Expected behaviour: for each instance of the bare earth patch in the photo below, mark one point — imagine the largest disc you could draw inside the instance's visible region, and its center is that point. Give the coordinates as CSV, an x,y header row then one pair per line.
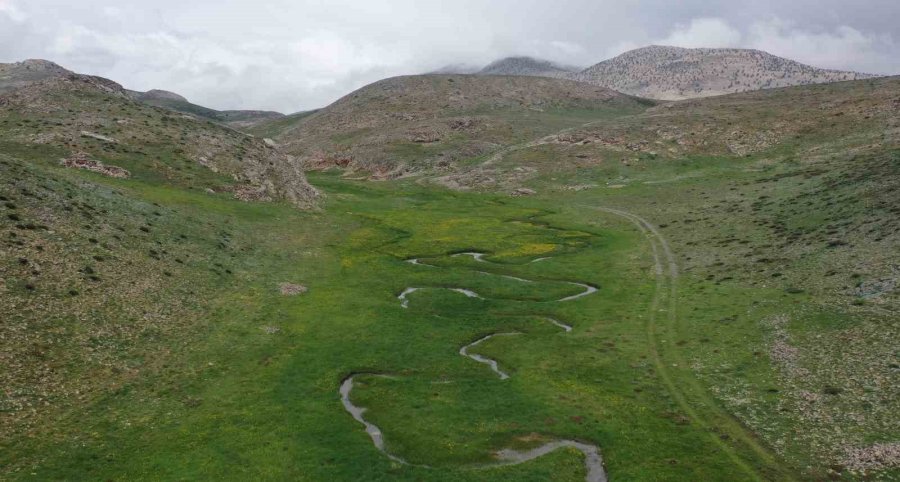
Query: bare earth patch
x,y
876,457
82,160
291,289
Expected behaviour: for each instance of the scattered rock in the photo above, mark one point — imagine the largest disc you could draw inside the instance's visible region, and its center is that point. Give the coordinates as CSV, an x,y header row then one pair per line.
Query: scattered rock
x,y
876,457
98,137
252,193
81,160
291,289
524,191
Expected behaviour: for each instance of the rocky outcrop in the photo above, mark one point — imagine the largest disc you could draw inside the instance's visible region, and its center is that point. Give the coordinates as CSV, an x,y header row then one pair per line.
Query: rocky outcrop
x,y
675,73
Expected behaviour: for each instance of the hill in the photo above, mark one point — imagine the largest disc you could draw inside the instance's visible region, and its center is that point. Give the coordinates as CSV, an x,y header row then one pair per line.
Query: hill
x,y
94,121
19,74
526,66
674,73
406,125
775,194
615,287
238,119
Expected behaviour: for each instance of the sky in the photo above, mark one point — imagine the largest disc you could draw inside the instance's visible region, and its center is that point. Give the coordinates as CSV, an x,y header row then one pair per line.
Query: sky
x,y
293,55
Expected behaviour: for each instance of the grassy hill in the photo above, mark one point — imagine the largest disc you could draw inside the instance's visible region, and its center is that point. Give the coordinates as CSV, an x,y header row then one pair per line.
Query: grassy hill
x,y
402,126
239,119
726,268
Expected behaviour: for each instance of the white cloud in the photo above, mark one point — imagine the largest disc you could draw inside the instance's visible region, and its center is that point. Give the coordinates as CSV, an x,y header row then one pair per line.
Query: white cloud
x,y
9,9
297,54
704,32
567,48
842,47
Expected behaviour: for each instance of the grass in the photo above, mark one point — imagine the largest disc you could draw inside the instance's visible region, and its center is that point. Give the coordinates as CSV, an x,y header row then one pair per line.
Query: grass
x,y
183,360
239,403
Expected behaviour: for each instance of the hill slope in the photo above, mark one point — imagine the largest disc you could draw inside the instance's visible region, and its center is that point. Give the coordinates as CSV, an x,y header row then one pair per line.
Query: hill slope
x,y
234,118
19,74
405,125
784,205
718,276
674,73
92,121
526,66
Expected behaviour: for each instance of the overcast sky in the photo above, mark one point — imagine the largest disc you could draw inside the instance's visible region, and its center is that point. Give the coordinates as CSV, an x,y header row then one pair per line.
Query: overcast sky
x,y
291,55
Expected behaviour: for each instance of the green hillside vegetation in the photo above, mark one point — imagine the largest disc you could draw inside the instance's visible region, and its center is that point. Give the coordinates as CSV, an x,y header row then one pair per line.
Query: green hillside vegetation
x,y
235,118
726,268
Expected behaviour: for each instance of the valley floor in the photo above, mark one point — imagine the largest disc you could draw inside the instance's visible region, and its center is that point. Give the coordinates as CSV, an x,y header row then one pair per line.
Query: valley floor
x,y
671,373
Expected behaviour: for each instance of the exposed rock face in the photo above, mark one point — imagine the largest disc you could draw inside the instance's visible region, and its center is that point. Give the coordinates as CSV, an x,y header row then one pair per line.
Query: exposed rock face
x,y
674,73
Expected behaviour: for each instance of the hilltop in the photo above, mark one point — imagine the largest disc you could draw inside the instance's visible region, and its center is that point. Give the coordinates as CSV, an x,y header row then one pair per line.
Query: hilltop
x,y
20,74
93,120
233,118
406,125
674,73
527,66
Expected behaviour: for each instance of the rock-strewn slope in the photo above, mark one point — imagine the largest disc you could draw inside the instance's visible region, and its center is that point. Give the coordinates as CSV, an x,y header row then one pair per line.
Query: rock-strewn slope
x,y
233,118
674,73
405,125
43,106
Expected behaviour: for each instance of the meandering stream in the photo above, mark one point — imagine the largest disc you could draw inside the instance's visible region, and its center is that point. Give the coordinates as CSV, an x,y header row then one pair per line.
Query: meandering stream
x,y
593,461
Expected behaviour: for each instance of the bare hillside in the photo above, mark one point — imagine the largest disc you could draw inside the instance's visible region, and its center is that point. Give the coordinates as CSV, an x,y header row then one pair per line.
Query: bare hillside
x,y
674,73
403,125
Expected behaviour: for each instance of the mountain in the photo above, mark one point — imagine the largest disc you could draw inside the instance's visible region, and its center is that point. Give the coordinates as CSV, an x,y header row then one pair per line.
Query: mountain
x,y
409,125
234,118
674,73
94,122
526,66
705,288
19,74
456,69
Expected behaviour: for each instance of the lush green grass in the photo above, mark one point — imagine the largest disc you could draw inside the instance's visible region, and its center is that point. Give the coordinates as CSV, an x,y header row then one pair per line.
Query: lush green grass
x,y
207,372
240,403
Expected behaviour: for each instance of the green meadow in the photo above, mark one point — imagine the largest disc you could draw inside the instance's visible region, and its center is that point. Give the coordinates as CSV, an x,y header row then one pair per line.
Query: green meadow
x,y
249,389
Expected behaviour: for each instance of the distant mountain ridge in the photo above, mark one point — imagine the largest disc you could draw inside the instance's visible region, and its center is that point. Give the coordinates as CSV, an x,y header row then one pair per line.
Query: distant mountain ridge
x,y
527,66
676,73
21,74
